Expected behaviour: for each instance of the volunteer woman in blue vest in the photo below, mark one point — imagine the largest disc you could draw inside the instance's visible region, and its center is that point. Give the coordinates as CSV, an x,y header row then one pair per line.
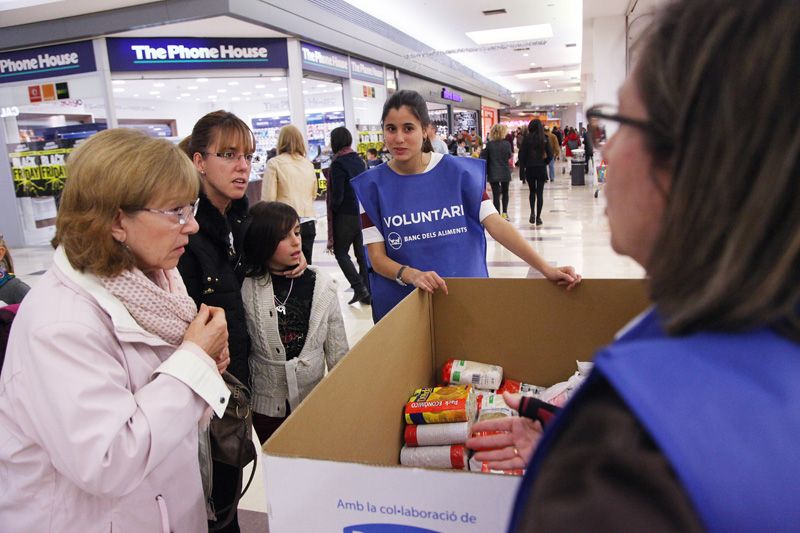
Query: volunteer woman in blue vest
x,y
424,213
689,421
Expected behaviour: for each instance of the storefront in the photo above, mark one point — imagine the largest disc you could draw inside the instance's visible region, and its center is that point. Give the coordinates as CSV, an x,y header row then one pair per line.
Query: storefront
x,y
52,97
451,111
489,115
341,90
164,85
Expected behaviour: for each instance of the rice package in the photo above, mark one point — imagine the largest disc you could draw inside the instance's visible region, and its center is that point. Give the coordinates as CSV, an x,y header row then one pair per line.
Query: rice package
x,y
489,401
437,405
436,434
479,375
452,457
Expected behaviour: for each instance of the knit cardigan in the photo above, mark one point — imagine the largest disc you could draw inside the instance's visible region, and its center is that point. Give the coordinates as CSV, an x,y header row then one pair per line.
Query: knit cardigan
x,y
274,379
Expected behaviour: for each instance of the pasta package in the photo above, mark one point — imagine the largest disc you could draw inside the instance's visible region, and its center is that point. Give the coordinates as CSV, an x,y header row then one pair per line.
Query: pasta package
x,y
437,405
479,375
453,457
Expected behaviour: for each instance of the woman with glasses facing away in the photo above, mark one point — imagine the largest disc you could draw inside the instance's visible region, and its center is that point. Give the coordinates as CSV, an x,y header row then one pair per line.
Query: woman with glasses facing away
x,y
689,420
290,178
221,147
110,368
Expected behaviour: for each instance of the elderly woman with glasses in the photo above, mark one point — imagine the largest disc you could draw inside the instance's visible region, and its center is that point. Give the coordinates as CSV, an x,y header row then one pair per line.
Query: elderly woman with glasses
x,y
110,368
689,421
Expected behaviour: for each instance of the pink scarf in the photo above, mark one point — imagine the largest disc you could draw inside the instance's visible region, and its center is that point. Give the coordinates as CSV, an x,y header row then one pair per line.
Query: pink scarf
x,y
159,302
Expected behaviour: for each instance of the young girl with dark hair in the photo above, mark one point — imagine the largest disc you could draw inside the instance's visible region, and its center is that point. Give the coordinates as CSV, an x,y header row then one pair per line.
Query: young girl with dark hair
x,y
424,213
534,156
295,325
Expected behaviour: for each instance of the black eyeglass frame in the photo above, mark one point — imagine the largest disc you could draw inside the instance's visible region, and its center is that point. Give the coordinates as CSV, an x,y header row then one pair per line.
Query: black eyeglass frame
x,y
594,112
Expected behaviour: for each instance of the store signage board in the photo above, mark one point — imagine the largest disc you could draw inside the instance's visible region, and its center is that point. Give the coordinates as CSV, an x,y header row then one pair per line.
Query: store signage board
x,y
47,62
453,96
366,71
185,53
318,59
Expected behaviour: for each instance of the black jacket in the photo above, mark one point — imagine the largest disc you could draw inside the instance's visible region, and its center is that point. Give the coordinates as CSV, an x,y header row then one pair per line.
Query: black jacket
x,y
535,156
213,274
497,154
343,169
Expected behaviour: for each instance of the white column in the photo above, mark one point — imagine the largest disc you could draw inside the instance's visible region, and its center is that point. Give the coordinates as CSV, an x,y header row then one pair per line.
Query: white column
x,y
606,70
104,70
297,106
347,101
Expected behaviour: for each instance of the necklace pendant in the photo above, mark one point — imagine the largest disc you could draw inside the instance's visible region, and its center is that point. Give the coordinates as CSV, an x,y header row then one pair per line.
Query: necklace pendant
x,y
281,309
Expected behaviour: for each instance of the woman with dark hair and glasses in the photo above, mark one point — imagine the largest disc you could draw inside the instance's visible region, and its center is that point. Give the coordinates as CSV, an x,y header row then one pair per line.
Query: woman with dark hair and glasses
x,y
221,147
689,420
424,213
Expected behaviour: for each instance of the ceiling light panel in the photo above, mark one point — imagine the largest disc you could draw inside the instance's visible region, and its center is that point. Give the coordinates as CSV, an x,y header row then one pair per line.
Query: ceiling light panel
x,y
544,74
516,33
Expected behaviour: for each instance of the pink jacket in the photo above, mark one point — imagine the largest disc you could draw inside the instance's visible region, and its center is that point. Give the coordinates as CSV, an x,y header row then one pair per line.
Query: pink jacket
x,y
99,418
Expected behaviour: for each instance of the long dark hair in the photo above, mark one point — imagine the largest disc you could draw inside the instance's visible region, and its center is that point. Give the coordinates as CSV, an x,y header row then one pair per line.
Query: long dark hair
x,y
416,104
340,138
695,75
536,139
269,223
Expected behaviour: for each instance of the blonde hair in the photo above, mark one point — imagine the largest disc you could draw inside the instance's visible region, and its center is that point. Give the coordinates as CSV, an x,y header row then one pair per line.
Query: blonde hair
x,y
290,141
118,169
7,261
498,132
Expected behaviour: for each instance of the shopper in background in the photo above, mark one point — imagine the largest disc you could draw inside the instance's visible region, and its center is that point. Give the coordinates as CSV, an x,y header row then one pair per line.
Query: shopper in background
x,y
587,146
110,368
497,155
221,147
12,289
296,324
290,178
521,134
556,146
534,156
424,213
372,158
439,145
571,140
461,151
559,135
347,165
688,422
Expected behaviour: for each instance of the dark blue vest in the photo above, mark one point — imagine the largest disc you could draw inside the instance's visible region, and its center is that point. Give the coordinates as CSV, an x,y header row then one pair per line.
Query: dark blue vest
x,y
429,221
723,408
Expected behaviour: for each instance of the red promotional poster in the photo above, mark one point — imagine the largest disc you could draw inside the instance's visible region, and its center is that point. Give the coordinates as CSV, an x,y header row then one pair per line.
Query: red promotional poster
x,y
34,93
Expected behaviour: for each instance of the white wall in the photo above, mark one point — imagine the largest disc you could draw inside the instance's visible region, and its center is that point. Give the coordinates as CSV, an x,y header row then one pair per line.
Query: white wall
x,y
604,63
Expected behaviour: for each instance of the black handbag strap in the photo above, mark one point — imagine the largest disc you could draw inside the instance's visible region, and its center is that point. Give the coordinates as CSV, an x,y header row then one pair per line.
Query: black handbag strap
x,y
230,510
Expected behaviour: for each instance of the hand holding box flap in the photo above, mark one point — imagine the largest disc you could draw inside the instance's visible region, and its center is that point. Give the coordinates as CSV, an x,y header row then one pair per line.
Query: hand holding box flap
x,y
434,405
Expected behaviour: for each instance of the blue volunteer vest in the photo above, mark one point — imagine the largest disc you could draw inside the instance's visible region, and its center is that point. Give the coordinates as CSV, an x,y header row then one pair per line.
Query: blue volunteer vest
x,y
430,221
721,407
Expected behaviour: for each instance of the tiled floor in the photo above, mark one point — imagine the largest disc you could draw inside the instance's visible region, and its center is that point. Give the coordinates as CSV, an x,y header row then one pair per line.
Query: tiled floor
x,y
574,232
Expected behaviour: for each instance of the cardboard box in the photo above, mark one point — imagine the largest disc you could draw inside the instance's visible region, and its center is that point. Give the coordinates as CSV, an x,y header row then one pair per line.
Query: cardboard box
x,y
334,464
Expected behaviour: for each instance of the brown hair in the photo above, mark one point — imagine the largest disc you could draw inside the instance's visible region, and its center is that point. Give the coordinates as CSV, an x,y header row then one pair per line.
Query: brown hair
x,y
416,104
220,127
728,256
498,132
290,141
118,169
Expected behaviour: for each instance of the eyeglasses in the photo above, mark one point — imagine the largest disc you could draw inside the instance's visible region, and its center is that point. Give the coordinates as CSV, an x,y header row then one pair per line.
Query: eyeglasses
x,y
184,213
599,116
232,157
